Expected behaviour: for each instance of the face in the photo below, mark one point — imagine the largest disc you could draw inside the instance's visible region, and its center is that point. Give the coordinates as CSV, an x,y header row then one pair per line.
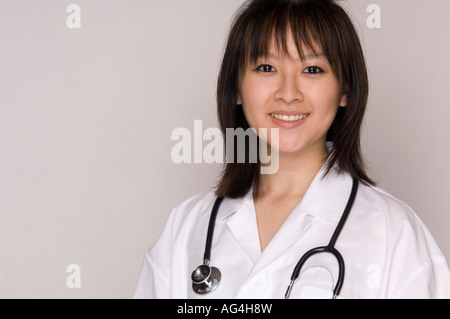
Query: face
x,y
299,97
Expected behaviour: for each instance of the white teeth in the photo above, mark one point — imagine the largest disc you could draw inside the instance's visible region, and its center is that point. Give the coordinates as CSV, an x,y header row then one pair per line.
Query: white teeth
x,y
289,118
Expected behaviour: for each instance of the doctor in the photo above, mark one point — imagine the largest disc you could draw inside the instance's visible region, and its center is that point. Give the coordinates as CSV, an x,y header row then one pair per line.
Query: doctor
x,y
296,66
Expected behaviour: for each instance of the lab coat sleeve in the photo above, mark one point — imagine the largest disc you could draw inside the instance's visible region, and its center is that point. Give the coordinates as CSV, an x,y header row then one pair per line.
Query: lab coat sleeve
x,y
421,268
429,281
154,278
153,282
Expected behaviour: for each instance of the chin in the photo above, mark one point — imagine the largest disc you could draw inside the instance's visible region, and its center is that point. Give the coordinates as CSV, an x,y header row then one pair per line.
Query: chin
x,y
290,149
291,144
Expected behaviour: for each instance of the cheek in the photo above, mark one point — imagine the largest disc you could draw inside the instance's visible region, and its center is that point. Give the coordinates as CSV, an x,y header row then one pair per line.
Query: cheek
x,y
253,99
325,116
254,118
327,99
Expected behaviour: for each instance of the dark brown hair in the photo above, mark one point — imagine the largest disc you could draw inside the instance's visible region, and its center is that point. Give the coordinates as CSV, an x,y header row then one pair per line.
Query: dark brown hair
x,y
315,24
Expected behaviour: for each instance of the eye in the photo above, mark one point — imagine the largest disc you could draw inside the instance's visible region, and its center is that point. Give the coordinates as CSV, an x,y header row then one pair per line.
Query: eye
x,y
266,68
313,70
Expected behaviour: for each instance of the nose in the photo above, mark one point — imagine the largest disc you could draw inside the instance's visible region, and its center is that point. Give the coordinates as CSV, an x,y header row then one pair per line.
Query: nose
x,y
289,90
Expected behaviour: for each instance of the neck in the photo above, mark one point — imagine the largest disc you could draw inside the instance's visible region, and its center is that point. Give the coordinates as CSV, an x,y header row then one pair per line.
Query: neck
x,y
295,174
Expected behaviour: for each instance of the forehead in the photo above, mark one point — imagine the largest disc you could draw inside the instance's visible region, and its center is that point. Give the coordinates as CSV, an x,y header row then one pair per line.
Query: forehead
x,y
293,51
283,41
286,46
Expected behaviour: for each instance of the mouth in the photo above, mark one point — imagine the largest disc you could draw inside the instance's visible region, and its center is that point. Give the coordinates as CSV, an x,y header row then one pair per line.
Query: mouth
x,y
289,118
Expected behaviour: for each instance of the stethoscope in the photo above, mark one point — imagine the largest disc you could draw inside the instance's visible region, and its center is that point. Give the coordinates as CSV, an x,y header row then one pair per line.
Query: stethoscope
x,y
206,278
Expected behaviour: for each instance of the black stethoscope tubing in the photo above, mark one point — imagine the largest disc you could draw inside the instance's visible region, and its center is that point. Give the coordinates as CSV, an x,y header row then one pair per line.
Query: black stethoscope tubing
x,y
329,248
324,249
212,222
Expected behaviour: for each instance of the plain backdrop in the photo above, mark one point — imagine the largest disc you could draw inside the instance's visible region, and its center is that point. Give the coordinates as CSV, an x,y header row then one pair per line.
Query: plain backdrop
x,y
86,116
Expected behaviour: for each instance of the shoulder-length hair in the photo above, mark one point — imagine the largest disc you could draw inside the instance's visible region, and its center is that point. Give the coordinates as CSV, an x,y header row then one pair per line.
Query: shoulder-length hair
x,y
315,24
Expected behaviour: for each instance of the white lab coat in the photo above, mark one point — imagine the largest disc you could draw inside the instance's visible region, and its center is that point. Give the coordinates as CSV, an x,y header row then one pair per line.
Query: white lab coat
x,y
388,251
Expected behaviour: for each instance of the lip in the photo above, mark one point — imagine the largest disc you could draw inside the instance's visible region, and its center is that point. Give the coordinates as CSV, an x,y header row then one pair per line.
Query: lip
x,y
285,124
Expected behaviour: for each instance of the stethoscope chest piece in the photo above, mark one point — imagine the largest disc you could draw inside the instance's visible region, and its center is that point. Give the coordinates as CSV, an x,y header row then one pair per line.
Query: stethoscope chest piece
x,y
205,279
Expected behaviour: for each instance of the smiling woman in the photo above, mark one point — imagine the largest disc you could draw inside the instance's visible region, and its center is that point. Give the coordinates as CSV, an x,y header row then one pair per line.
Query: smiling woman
x,y
295,66
314,40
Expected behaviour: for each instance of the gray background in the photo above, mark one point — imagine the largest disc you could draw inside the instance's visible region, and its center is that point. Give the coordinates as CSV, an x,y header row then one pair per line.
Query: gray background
x,y
86,116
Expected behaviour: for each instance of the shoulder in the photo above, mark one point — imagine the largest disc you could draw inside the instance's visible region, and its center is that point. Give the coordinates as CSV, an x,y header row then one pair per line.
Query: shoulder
x,y
191,213
195,205
378,201
400,224
375,202
184,220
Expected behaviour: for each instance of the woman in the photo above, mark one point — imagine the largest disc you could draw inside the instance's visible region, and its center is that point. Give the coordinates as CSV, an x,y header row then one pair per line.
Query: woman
x,y
295,67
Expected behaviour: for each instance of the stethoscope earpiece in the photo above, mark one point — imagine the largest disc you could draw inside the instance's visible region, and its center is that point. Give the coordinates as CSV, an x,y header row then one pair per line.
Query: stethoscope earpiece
x,y
205,279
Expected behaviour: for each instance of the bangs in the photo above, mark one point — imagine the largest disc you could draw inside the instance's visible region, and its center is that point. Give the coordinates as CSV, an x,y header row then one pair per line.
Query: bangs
x,y
310,23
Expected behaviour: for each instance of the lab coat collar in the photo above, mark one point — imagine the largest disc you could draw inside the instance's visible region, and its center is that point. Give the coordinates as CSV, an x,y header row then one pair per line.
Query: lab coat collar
x,y
326,197
230,206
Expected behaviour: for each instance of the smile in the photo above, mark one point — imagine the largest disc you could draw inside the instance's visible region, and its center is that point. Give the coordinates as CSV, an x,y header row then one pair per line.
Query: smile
x,y
289,118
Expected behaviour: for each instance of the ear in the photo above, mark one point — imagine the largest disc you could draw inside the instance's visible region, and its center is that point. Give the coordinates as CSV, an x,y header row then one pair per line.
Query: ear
x,y
238,101
343,102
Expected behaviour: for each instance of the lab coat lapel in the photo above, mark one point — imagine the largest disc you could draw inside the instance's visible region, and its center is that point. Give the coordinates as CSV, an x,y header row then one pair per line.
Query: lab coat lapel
x,y
240,218
322,205
244,228
296,226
